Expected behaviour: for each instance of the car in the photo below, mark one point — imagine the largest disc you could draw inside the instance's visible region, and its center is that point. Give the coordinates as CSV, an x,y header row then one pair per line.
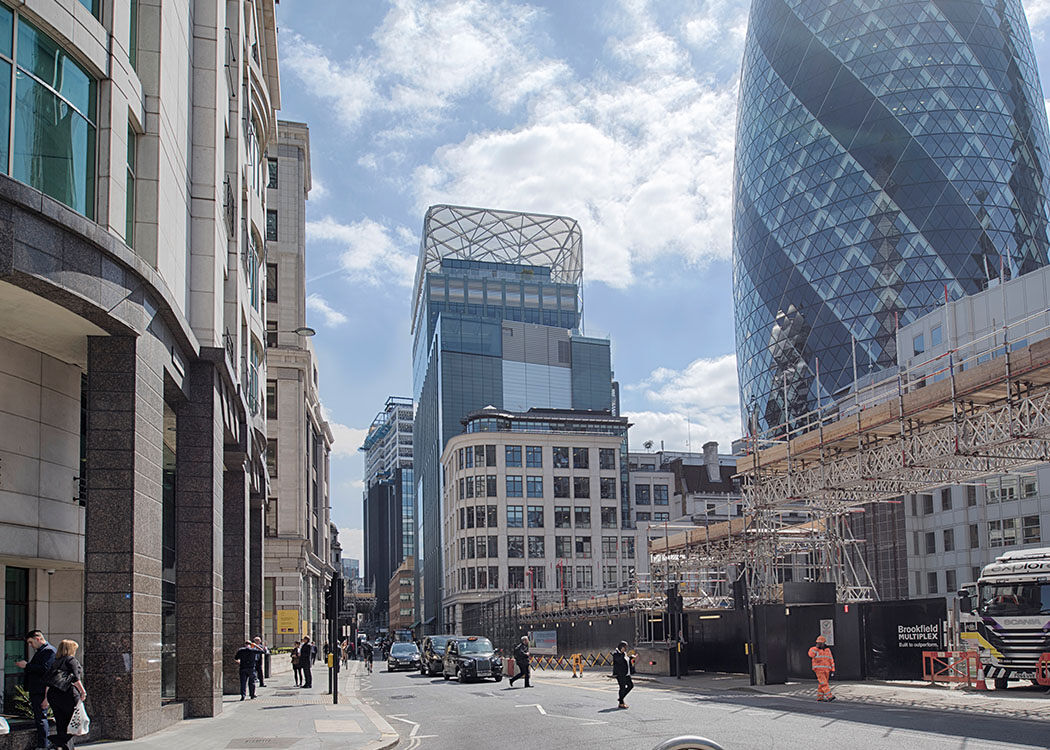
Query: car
x,y
471,658
402,656
432,659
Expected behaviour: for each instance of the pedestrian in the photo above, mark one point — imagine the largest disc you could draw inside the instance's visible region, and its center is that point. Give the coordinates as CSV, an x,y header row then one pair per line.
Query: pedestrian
x,y
622,672
297,670
306,660
367,652
521,656
247,657
260,667
65,670
824,666
37,670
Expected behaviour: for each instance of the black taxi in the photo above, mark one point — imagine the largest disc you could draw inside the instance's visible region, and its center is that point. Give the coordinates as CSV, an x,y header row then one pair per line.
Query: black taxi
x,y
472,658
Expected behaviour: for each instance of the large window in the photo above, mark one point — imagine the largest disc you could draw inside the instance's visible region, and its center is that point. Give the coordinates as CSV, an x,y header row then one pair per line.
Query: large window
x,y
561,486
606,458
515,546
583,517
659,494
515,516
536,546
563,546
642,494
562,517
608,518
514,488
129,202
513,454
581,458
560,458
583,546
534,486
534,456
608,488
535,516
581,487
54,118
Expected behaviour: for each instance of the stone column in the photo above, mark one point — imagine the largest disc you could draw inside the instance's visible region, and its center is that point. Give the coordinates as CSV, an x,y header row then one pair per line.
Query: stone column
x,y
235,572
122,546
199,540
255,566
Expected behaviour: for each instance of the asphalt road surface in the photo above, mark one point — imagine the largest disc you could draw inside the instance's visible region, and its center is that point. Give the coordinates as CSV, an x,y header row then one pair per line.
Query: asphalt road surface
x,y
431,714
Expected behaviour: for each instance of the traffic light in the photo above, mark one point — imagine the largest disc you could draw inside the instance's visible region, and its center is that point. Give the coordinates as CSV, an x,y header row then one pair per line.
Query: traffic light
x,y
333,600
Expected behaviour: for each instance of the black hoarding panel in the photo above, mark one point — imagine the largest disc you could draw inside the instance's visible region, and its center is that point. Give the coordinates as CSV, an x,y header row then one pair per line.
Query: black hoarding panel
x,y
898,632
803,627
771,641
849,643
717,640
809,593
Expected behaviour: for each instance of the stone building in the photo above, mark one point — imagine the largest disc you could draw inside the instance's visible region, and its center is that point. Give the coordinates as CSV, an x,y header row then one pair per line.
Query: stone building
x,y
132,424
299,439
402,611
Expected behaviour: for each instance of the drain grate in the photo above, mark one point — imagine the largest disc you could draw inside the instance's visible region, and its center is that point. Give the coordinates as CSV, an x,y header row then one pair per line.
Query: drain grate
x,y
271,742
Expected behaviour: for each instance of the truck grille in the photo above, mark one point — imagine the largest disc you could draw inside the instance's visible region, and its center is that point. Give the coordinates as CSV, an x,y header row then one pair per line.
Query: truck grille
x,y
1021,648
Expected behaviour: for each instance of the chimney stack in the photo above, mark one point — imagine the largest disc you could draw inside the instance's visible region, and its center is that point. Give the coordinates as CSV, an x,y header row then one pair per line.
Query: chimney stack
x,y
711,461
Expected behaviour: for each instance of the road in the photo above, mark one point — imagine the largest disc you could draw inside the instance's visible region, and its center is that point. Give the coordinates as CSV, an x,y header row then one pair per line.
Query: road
x,y
431,714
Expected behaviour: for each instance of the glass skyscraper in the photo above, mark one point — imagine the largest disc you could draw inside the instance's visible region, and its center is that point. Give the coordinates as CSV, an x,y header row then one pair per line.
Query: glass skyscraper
x,y
496,317
889,154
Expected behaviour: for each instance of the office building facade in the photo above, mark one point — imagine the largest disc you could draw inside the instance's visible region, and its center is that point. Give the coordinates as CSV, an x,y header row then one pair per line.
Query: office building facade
x,y
887,156
132,421
297,525
496,315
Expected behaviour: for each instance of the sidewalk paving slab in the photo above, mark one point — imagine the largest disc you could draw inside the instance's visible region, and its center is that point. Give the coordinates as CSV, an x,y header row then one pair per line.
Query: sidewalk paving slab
x,y
282,716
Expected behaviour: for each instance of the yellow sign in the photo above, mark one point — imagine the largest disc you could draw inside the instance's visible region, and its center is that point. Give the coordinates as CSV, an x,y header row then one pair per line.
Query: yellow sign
x,y
306,627
287,621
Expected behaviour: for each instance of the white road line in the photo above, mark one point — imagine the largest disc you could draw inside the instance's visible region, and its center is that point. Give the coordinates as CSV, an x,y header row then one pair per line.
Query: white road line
x,y
537,706
578,719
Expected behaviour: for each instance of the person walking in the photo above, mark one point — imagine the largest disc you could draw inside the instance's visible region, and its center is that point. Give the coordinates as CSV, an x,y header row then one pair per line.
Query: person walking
x,y
306,660
297,670
367,652
247,657
63,701
823,664
622,672
37,669
260,667
521,656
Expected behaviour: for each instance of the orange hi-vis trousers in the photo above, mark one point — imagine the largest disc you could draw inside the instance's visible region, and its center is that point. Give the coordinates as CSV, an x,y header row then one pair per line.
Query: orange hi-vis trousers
x,y
823,684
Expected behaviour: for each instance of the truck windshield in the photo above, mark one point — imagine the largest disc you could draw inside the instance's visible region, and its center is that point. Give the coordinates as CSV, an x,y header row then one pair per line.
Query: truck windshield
x,y
1015,599
480,646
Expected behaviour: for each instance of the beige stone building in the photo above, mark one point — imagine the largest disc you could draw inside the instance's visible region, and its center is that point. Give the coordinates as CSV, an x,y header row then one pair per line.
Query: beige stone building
x,y
400,591
132,418
533,505
298,563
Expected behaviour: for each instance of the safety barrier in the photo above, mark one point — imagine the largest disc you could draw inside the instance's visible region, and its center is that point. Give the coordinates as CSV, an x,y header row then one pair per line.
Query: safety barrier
x,y
951,666
565,662
1042,670
688,743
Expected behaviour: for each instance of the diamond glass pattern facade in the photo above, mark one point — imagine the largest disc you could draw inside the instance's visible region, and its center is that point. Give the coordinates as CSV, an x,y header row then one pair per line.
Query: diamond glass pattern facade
x,y
888,153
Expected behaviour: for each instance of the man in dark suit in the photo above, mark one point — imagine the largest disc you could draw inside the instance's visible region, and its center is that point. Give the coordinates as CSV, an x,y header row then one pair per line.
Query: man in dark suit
x,y
247,657
37,669
306,660
521,656
622,672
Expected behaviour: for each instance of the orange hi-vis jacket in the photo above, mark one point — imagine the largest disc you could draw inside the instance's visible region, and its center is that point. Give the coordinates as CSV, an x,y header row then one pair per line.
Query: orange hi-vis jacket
x,y
822,658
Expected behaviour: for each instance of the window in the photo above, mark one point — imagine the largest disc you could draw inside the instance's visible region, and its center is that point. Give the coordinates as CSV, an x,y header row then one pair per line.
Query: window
x,y
627,574
563,546
53,121
129,199
271,224
946,498
490,455
561,486
490,485
918,582
534,456
472,580
583,546
949,539
459,458
493,577
514,488
537,573
608,518
133,35
515,577
643,516
1002,533
935,340
563,576
513,455
931,582
971,495
470,548
918,347
493,516
581,487
606,458
482,546
560,458
534,486
583,517
271,457
661,516
608,488
470,487
927,504
535,517
470,518
468,457
93,6
975,536
480,486
493,546
271,174
271,399
627,547
1029,487
515,546
562,517
271,282
271,333
608,546
515,516
584,577
581,458
462,517
1030,530
609,576
931,543
642,494
536,546
951,583
660,494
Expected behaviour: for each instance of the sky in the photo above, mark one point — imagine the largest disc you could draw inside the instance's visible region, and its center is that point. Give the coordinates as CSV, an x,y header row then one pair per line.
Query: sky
x,y
618,113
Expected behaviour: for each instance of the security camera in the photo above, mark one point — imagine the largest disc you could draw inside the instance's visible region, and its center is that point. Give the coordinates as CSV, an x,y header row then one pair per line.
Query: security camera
x,y
50,571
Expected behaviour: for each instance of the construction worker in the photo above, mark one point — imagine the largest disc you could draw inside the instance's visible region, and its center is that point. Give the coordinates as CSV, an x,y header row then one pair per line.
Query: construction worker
x,y
824,667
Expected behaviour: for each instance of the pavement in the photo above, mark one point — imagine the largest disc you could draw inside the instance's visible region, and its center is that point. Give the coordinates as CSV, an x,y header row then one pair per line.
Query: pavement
x,y
282,716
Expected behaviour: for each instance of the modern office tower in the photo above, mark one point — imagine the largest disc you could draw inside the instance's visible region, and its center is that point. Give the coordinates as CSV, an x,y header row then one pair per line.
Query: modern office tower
x,y
496,316
389,499
888,155
532,506
132,420
298,564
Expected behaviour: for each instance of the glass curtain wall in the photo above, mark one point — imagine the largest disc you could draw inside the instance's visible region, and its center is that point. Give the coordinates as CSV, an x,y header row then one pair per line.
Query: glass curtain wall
x,y
16,624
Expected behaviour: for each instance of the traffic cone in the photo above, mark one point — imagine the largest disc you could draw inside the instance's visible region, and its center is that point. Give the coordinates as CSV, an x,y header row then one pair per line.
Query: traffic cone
x,y
980,677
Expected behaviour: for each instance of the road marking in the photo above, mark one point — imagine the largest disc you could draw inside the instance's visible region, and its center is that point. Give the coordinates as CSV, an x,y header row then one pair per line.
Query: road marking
x,y
413,736
537,706
582,721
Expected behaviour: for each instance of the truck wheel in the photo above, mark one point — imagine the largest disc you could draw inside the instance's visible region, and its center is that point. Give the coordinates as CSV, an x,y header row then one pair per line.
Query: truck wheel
x,y
1000,683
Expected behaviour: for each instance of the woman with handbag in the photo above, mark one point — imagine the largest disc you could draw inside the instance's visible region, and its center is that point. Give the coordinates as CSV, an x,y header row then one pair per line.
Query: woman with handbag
x,y
65,689
297,669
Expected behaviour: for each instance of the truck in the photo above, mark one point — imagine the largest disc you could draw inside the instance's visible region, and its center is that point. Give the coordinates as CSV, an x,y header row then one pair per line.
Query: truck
x,y
1008,621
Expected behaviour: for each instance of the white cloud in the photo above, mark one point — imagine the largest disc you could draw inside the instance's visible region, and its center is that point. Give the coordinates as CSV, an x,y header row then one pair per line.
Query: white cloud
x,y
703,384
353,543
347,440
678,432
318,190
332,317
368,251
1037,11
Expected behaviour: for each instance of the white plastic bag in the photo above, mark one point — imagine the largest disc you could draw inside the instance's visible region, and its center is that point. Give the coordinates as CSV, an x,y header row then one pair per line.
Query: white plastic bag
x,y
80,722
5,728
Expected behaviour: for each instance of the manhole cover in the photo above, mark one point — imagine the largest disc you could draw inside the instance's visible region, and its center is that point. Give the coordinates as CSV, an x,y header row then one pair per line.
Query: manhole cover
x,y
250,742
401,697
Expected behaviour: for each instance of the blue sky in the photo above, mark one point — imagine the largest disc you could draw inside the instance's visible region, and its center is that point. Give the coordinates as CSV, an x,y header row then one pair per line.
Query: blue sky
x,y
619,113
